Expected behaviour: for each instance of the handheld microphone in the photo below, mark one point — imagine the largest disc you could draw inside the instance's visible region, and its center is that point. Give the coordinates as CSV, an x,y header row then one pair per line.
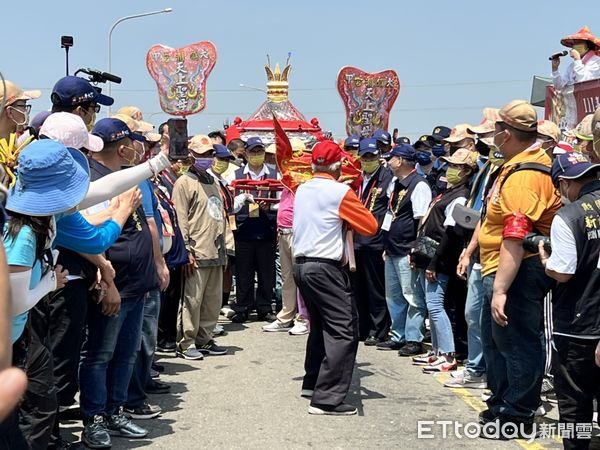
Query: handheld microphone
x,y
558,55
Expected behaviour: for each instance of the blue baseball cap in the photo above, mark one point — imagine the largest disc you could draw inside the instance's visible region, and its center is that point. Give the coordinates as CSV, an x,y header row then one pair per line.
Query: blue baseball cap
x,y
368,145
425,141
222,152
352,141
51,179
254,142
383,136
73,91
571,166
402,140
404,151
440,133
113,130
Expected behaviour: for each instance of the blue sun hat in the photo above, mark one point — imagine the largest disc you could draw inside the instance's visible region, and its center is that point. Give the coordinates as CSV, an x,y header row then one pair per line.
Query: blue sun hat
x,y
51,179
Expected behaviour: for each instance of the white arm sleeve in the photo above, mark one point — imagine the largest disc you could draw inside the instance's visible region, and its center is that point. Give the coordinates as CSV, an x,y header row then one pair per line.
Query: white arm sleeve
x,y
23,298
118,182
564,250
240,200
588,71
450,222
420,199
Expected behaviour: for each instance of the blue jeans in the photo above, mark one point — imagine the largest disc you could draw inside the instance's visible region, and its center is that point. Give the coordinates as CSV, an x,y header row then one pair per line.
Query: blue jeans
x,y
108,356
405,300
141,372
475,298
442,339
514,354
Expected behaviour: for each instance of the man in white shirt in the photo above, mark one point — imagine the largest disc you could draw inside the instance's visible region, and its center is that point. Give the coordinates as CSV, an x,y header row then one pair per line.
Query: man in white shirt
x,y
409,198
586,63
575,237
322,208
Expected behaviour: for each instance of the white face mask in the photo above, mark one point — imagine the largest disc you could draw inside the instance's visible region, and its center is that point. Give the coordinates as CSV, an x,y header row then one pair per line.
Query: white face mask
x,y
25,115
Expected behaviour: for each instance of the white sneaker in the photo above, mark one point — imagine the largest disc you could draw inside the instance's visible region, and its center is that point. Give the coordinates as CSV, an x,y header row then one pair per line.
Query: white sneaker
x,y
458,373
467,380
227,312
540,412
191,354
276,326
218,331
299,328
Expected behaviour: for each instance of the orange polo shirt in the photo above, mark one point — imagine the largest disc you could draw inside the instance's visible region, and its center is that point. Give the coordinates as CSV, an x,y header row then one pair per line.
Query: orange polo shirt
x,y
527,192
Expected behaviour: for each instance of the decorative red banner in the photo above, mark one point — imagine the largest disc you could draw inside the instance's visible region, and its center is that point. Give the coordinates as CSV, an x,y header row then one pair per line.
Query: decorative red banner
x,y
568,107
368,98
180,75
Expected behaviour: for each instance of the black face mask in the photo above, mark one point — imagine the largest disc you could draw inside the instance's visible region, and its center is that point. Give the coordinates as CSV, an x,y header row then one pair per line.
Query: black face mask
x,y
482,148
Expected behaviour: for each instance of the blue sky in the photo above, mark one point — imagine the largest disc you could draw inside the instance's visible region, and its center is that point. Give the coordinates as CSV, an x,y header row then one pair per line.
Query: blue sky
x,y
453,57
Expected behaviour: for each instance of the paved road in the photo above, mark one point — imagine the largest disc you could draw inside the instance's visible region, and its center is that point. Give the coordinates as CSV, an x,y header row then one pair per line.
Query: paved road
x,y
250,399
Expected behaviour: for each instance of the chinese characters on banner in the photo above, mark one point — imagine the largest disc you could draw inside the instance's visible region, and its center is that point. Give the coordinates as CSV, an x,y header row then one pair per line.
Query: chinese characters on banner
x,y
180,75
568,107
368,98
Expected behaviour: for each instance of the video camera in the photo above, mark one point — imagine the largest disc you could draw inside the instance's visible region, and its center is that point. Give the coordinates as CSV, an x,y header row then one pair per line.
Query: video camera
x,y
532,241
96,76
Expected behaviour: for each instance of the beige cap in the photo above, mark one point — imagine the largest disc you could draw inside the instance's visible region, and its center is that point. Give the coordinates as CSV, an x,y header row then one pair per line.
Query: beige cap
x,y
462,156
136,114
297,145
520,115
549,129
152,137
271,148
583,130
487,125
201,143
14,93
460,132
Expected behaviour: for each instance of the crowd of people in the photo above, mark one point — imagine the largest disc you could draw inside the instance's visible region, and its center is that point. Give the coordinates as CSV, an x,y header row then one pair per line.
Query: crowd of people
x,y
114,249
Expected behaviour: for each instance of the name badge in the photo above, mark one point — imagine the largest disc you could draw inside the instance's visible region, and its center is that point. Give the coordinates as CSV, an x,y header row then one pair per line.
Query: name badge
x,y
253,210
387,221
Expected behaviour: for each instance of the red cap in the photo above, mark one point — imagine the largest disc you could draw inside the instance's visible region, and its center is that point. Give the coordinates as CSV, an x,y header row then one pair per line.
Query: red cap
x,y
326,152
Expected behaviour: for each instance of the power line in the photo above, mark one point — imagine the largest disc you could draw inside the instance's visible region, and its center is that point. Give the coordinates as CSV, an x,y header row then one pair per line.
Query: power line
x,y
317,89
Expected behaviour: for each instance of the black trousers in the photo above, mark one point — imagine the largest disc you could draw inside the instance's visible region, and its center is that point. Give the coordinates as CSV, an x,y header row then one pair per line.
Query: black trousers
x,y
333,338
169,305
454,304
254,257
577,384
67,310
39,408
368,285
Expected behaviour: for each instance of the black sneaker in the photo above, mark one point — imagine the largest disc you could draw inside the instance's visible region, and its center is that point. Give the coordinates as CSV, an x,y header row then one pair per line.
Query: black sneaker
x,y
144,411
158,367
371,341
212,349
486,416
166,346
389,345
411,349
343,409
239,317
156,387
95,434
121,425
267,317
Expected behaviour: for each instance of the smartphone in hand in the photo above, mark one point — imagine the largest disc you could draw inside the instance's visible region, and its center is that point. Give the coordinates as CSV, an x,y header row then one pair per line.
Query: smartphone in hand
x,y
178,138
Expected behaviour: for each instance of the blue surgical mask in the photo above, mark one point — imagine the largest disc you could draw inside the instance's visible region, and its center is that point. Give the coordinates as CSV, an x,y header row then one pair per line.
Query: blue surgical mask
x,y
423,158
438,151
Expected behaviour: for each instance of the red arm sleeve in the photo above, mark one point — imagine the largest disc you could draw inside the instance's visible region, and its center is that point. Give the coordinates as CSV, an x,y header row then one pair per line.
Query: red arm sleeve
x,y
358,217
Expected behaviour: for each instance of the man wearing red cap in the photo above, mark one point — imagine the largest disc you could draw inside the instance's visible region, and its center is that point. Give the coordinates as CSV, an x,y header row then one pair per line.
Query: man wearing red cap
x,y
322,208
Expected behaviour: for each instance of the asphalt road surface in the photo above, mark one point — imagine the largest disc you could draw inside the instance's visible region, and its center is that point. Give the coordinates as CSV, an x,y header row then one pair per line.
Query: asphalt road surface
x,y
250,399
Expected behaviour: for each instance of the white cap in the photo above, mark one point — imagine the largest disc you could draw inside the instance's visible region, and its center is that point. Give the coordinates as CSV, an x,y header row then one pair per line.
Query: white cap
x,y
70,130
